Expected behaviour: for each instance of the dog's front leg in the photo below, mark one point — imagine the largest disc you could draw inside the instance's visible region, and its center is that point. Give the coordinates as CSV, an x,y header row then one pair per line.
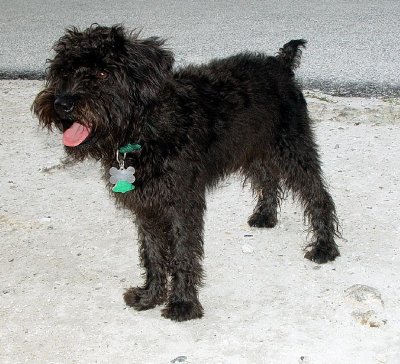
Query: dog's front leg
x,y
185,262
154,257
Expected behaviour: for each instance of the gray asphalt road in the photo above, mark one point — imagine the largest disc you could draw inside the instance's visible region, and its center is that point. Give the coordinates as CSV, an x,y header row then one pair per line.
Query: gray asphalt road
x,y
353,44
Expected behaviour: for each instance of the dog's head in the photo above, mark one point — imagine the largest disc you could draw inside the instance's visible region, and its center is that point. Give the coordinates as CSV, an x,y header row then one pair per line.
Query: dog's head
x,y
98,86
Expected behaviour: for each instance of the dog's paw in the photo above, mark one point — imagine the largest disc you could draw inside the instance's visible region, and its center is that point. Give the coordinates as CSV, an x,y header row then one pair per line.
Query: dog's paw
x,y
142,299
261,220
322,254
183,311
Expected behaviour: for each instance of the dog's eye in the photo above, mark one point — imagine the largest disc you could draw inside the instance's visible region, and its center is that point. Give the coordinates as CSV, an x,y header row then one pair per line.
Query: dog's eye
x,y
101,75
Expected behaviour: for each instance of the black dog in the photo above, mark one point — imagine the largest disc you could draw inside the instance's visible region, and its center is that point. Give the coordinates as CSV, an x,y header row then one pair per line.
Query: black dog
x,y
106,89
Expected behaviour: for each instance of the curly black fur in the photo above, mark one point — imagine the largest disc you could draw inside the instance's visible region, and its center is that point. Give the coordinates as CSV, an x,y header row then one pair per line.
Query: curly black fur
x,y
197,125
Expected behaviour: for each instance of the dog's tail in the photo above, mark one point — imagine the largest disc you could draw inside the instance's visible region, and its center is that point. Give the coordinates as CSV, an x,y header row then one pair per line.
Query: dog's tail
x,y
289,55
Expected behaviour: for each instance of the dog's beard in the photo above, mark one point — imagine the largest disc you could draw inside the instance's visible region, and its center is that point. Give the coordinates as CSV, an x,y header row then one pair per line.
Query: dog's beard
x,y
86,134
97,128
87,131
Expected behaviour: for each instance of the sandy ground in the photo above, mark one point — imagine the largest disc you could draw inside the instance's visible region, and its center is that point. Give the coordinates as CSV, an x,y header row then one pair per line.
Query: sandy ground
x,y
67,254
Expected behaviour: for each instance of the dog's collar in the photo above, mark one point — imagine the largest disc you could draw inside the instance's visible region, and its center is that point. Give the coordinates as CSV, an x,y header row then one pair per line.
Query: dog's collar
x,y
123,178
129,148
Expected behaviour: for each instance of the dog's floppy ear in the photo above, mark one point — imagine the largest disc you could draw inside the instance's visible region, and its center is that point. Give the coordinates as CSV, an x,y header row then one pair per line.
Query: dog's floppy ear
x,y
149,65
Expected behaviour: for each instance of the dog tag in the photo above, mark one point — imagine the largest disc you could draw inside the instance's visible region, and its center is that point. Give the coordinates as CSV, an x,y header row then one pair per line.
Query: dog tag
x,y
122,179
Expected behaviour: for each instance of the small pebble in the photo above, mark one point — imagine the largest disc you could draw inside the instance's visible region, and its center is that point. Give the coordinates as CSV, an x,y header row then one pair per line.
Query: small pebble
x,y
179,359
247,249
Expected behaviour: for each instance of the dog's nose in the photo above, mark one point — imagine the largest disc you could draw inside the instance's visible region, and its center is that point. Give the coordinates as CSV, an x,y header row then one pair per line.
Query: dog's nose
x,y
64,103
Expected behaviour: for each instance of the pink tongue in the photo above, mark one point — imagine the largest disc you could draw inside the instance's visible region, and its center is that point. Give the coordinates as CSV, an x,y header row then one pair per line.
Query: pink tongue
x,y
75,135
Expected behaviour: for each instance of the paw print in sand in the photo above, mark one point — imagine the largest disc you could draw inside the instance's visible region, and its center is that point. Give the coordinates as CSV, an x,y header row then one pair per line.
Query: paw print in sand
x,y
122,179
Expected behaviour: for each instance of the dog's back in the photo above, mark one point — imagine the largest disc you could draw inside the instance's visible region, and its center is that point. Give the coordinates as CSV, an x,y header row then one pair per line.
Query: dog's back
x,y
243,103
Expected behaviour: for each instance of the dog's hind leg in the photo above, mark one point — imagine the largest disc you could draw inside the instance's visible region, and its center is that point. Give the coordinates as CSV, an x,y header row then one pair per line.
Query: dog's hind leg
x,y
300,167
153,245
266,187
185,261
